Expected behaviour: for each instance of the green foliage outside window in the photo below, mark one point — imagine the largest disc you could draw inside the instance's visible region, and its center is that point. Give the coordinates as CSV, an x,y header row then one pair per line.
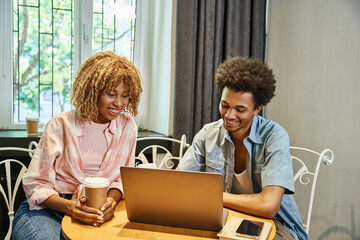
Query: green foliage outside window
x,y
43,53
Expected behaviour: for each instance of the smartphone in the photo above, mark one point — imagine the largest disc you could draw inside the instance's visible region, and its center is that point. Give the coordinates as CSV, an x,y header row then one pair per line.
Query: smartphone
x,y
249,229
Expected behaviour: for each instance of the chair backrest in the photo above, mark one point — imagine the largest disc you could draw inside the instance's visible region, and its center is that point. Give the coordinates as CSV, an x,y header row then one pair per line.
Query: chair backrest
x,y
158,153
306,165
10,188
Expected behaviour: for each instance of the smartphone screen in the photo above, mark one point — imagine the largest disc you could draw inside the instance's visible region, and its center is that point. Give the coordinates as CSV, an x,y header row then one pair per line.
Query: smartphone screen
x,y
249,228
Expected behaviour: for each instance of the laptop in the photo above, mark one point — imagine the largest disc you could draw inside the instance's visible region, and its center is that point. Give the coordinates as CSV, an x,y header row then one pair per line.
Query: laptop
x,y
174,198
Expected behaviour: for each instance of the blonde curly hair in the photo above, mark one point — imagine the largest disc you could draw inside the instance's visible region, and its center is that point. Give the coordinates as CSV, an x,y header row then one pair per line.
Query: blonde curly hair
x,y
102,73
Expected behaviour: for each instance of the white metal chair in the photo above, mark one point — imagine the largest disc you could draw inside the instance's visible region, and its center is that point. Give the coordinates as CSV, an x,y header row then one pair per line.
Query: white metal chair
x,y
303,160
158,153
10,190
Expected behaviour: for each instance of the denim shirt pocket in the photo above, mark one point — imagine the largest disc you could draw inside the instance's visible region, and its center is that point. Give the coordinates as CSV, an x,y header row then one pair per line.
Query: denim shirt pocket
x,y
214,163
256,175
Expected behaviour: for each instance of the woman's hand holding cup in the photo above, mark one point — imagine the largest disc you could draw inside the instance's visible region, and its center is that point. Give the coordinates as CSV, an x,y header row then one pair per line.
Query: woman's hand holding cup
x,y
86,214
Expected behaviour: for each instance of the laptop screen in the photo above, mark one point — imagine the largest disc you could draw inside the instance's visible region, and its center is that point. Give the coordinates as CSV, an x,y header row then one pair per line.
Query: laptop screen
x,y
173,198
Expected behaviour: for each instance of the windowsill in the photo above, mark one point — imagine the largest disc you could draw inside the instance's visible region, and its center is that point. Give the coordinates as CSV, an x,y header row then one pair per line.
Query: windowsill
x,y
6,134
20,138
9,137
17,138
22,134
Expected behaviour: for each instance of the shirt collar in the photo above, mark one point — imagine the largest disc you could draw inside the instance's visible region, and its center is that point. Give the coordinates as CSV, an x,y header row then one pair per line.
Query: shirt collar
x,y
77,125
224,134
113,126
254,136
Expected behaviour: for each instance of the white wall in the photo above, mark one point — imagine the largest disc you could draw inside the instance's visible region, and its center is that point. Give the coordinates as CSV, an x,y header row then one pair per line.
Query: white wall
x,y
314,50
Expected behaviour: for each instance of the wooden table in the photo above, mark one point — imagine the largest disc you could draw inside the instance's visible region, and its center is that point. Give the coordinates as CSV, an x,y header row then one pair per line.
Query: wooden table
x,y
120,227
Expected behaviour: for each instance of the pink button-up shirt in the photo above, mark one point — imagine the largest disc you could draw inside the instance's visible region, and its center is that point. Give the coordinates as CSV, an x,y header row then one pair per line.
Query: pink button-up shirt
x,y
56,167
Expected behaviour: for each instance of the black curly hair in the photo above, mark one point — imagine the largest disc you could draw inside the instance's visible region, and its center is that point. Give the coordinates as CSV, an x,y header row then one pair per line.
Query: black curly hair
x,y
247,75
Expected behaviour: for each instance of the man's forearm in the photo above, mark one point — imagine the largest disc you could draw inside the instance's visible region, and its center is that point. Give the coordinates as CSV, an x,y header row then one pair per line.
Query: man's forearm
x,y
265,204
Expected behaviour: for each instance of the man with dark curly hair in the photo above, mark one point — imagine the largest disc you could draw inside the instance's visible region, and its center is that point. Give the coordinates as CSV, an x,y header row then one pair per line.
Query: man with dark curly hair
x,y
251,152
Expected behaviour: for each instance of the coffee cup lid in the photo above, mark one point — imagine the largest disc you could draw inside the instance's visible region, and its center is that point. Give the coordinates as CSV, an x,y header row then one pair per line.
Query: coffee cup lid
x,y
96,182
147,165
32,119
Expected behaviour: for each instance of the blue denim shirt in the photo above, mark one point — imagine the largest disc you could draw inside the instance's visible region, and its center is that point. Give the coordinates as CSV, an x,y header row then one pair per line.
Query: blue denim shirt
x,y
270,163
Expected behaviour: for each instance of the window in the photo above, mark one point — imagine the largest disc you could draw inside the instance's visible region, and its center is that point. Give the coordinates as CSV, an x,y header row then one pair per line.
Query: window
x,y
49,41
114,27
43,42
91,30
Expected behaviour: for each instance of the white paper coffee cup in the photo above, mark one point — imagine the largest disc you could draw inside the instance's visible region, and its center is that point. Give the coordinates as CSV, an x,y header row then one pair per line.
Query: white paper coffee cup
x,y
96,189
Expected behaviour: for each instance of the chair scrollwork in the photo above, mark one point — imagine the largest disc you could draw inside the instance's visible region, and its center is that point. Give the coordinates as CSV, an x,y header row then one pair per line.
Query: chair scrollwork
x,y
159,154
305,158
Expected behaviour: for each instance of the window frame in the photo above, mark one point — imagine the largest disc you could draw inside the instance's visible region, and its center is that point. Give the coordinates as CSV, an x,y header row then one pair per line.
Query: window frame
x,y
82,51
6,66
148,118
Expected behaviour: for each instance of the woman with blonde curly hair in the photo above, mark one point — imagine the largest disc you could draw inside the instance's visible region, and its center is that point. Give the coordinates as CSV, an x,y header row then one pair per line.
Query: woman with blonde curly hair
x,y
93,140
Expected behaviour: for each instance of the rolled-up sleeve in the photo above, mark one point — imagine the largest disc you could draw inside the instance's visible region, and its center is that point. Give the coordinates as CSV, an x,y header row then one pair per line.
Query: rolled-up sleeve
x,y
277,170
39,180
194,157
